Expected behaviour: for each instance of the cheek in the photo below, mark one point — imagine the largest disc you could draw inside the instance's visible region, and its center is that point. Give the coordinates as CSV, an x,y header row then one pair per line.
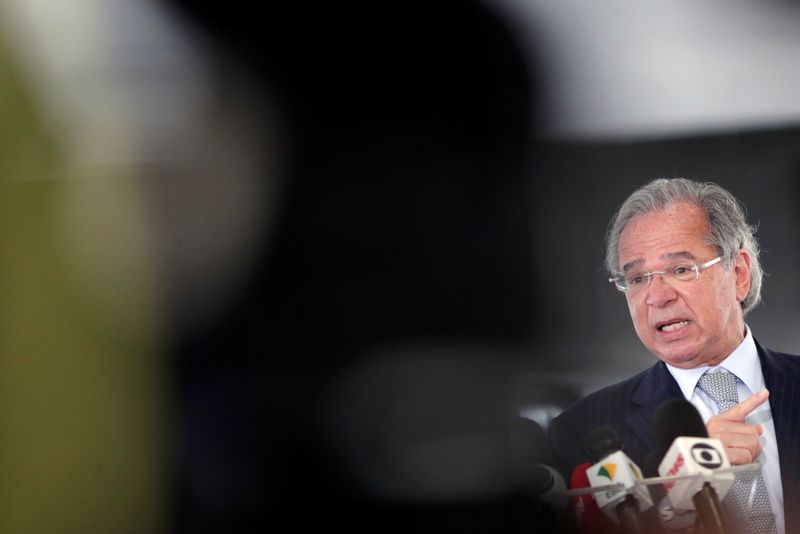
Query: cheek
x,y
719,302
723,307
638,314
724,286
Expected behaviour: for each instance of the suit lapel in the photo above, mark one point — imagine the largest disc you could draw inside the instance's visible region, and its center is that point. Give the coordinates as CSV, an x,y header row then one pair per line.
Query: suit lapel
x,y
655,387
781,377
784,398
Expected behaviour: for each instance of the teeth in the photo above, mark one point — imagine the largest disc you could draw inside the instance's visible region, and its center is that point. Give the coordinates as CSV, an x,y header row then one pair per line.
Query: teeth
x,y
674,326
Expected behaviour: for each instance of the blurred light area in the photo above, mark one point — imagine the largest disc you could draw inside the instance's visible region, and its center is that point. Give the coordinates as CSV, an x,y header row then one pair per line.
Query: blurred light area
x,y
132,94
420,423
541,414
114,74
620,69
131,188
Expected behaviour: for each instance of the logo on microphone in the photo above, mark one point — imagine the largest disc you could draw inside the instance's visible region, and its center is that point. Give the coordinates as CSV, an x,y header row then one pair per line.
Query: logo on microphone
x,y
706,455
607,470
679,461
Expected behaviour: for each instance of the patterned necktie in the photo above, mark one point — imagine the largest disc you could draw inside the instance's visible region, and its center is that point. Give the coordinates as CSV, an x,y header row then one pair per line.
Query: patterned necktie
x,y
747,501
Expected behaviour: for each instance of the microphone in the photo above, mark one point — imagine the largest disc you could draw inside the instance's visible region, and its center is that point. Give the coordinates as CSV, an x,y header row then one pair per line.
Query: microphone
x,y
547,486
583,509
529,443
692,452
540,484
621,505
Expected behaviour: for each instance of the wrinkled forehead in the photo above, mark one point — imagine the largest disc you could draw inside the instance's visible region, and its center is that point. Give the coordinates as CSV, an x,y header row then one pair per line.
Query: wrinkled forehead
x,y
676,232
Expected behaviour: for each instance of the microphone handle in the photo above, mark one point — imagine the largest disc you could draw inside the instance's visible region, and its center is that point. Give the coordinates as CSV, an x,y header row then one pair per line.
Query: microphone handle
x,y
629,520
709,510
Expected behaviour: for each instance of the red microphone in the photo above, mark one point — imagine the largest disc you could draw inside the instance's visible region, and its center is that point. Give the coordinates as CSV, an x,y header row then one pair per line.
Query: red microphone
x,y
583,509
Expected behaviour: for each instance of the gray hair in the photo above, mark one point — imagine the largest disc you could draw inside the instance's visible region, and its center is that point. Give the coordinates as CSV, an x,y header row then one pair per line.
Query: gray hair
x,y
728,229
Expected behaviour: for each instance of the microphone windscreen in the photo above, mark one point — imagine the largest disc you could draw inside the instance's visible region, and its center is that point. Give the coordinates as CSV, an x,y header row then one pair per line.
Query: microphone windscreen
x,y
540,478
529,443
674,418
546,484
601,442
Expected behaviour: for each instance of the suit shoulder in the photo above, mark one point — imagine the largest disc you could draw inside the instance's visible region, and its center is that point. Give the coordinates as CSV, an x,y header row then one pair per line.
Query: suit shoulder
x,y
607,397
779,362
791,359
608,406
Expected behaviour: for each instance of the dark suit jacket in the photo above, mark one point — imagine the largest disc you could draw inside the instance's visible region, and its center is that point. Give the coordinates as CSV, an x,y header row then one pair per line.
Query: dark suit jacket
x,y
629,407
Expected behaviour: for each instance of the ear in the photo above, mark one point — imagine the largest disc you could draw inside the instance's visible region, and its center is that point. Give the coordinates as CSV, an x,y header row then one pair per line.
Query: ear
x,y
741,270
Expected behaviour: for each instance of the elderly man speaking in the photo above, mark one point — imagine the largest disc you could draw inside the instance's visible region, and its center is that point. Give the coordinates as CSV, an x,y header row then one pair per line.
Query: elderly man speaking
x,y
687,263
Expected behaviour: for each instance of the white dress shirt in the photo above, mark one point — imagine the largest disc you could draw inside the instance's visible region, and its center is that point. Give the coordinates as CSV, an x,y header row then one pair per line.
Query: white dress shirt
x,y
744,363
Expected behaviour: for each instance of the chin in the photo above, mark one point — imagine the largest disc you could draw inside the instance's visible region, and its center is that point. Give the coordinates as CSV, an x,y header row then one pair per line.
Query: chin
x,y
683,361
678,358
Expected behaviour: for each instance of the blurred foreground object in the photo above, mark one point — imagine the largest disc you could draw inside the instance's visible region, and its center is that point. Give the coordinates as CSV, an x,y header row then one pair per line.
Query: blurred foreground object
x,y
81,382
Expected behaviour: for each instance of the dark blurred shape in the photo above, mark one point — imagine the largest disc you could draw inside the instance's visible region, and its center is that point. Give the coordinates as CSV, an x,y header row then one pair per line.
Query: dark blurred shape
x,y
421,425
403,227
530,443
601,442
545,481
674,418
548,502
541,487
677,418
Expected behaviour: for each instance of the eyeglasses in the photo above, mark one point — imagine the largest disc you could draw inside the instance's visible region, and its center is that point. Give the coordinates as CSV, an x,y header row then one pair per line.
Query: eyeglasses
x,y
635,281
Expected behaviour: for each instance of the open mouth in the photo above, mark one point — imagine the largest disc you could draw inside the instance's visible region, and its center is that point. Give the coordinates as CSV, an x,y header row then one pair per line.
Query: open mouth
x,y
671,327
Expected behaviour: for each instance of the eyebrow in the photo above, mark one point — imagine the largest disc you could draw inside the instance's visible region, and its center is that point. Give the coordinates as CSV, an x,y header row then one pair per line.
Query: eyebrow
x,y
683,255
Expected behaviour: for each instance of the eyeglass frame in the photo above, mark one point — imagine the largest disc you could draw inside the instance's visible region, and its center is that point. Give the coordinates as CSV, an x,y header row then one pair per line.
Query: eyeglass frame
x,y
697,268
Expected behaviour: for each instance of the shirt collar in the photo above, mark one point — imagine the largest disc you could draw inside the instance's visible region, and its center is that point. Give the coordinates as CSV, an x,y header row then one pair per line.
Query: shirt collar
x,y
743,362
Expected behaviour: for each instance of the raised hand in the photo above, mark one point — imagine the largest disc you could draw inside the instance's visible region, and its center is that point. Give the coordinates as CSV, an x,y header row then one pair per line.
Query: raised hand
x,y
741,440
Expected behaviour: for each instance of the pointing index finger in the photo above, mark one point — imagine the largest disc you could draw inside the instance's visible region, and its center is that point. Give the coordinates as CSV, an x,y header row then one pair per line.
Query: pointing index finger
x,y
743,409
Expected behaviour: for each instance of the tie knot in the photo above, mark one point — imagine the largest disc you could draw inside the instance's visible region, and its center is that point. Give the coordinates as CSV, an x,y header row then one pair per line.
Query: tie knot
x,y
721,387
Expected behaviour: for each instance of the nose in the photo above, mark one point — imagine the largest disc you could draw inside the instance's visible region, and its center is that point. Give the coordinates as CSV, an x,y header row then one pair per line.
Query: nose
x,y
659,292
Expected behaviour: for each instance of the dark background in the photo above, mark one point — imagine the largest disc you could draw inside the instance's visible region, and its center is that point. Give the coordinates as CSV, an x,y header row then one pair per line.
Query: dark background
x,y
434,269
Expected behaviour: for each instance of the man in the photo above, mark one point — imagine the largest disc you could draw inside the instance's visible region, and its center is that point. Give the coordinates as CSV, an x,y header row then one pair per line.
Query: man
x,y
688,264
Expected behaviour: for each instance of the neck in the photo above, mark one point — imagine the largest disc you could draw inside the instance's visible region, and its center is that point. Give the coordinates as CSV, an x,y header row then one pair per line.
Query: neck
x,y
731,346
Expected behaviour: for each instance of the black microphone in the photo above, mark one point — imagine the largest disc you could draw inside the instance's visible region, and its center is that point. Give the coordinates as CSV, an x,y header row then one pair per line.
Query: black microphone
x,y
543,487
680,432
668,424
601,442
547,486
529,443
613,466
